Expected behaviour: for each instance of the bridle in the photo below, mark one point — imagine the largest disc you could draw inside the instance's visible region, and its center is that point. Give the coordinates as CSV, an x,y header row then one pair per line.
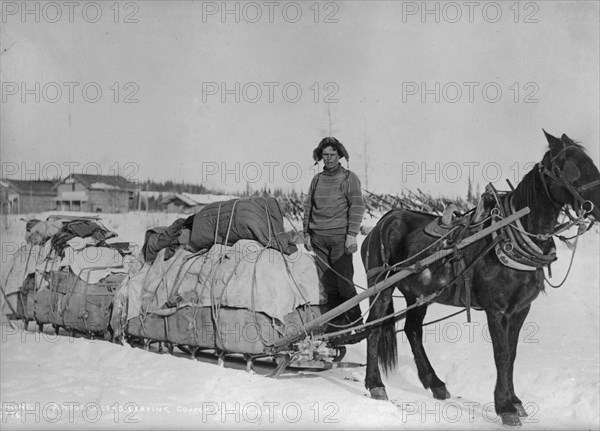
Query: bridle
x,y
581,206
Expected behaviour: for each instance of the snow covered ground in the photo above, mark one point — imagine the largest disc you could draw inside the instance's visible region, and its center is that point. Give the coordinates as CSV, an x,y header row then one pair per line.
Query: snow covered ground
x,y
59,382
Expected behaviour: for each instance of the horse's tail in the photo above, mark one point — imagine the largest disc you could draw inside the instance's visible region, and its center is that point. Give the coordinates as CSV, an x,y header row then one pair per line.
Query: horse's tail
x,y
387,347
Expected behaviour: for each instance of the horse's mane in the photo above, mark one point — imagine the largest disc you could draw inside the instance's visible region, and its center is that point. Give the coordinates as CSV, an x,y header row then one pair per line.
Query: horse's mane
x,y
525,193
571,144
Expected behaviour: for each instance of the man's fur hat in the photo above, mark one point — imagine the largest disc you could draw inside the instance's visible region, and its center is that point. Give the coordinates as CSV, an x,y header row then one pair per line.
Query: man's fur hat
x,y
329,142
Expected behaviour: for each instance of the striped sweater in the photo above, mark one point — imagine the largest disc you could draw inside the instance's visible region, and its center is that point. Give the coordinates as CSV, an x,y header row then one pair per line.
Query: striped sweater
x,y
334,204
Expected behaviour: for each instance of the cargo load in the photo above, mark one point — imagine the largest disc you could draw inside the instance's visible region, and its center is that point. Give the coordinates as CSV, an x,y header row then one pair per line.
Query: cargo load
x,y
240,298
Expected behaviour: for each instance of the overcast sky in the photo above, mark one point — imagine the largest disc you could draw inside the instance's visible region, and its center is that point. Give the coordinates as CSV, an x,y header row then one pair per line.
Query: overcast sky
x,y
227,94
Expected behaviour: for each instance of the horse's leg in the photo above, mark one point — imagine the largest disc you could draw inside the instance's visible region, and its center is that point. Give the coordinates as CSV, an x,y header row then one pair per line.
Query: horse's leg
x,y
499,330
414,332
516,323
381,345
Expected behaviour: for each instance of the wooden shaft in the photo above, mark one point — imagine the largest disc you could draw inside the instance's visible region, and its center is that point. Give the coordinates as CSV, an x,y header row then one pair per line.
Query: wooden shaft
x,y
382,285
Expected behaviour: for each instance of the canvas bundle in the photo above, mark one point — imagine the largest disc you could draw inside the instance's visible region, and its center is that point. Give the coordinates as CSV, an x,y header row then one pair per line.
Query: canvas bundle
x,y
70,302
257,218
240,298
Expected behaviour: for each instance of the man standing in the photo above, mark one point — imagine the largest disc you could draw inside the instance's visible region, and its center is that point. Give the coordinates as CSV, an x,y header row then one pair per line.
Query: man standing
x,y
333,212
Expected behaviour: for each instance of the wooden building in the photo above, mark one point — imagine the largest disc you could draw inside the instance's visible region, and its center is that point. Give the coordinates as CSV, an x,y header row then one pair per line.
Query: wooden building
x,y
189,203
95,193
23,196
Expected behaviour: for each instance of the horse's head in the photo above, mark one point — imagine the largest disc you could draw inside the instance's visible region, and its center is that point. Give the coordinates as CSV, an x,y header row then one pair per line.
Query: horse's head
x,y
571,176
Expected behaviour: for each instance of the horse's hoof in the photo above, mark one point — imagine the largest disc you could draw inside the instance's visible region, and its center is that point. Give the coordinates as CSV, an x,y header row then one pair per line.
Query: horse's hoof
x,y
520,410
511,419
440,393
378,393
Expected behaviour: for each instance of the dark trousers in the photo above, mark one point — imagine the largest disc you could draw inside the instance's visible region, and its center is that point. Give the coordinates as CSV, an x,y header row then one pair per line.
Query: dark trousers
x,y
331,258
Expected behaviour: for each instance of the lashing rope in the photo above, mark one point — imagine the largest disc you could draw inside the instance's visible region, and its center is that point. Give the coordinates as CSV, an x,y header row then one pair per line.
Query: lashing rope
x,y
385,270
420,300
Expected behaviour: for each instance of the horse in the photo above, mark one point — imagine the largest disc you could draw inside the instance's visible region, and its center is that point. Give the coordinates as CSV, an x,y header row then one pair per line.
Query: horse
x,y
565,176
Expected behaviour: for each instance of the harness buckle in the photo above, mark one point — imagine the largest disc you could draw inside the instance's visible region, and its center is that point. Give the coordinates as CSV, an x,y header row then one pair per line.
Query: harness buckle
x,y
586,211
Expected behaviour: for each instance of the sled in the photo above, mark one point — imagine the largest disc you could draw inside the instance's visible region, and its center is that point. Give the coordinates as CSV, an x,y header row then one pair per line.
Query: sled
x,y
226,330
75,304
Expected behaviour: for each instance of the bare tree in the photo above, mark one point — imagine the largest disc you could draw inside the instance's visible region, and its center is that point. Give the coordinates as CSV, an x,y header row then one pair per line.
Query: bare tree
x,y
365,154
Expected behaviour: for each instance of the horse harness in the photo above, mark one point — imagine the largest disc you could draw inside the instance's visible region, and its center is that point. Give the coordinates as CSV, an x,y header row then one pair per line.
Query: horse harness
x,y
512,244
516,249
450,231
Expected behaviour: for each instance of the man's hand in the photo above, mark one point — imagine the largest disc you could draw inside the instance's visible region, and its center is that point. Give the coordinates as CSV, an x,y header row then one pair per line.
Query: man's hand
x,y
351,246
307,243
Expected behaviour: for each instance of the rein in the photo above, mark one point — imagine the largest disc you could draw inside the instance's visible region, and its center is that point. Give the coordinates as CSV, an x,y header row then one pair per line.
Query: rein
x,y
581,206
580,232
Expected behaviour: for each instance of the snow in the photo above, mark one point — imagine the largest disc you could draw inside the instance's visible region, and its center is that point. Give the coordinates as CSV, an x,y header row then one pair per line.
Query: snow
x,y
103,186
207,198
60,382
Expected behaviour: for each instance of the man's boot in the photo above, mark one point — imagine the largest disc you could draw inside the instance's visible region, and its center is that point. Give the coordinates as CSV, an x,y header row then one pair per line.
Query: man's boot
x,y
333,300
354,316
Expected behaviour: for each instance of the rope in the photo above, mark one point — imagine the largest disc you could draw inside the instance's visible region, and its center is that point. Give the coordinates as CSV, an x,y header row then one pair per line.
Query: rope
x,y
253,304
4,293
195,306
163,281
414,256
559,228
230,221
438,320
589,226
143,313
178,279
216,306
424,324
287,268
326,263
8,303
371,304
570,262
422,299
336,273
21,297
217,223
269,223
351,324
385,271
